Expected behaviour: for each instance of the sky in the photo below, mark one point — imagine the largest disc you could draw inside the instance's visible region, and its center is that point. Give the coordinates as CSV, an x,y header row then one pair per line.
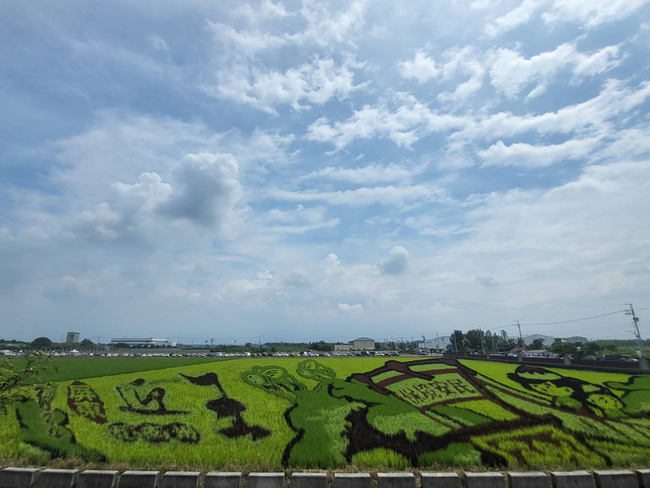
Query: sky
x,y
286,170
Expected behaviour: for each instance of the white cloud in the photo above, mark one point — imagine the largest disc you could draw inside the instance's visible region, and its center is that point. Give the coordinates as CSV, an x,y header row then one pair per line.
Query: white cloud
x,y
396,196
516,17
591,115
591,13
344,307
423,68
332,260
510,72
264,10
397,261
404,124
457,61
299,220
531,156
628,143
325,27
103,222
147,193
372,173
311,83
248,42
588,13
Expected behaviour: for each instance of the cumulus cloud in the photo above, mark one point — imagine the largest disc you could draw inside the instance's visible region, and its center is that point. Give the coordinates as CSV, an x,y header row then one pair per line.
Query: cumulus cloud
x,y
332,260
423,68
206,190
147,193
397,261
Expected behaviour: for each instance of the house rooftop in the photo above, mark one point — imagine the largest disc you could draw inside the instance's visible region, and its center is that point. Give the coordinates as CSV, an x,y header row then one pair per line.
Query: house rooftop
x,y
363,339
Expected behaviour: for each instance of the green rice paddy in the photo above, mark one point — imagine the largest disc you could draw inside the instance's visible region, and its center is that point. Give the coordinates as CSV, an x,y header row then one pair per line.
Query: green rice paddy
x,y
329,413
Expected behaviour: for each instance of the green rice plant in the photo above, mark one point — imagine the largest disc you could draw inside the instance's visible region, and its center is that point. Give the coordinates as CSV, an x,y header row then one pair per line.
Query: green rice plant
x,y
461,454
430,367
520,404
635,394
537,447
380,457
386,376
488,409
621,455
422,393
497,373
463,417
410,424
47,430
328,413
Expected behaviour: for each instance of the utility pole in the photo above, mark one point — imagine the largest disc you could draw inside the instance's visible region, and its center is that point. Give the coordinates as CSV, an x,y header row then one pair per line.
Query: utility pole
x,y
521,339
635,322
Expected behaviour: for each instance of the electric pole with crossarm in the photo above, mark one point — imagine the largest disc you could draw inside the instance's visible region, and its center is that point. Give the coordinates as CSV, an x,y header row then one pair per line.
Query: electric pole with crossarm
x,y
635,322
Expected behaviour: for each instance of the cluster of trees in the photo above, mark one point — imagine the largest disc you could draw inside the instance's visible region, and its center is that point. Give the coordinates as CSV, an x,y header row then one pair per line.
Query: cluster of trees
x,y
476,340
44,343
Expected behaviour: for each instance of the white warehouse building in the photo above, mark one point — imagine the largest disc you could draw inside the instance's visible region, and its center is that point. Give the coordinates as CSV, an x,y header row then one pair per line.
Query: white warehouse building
x,y
142,341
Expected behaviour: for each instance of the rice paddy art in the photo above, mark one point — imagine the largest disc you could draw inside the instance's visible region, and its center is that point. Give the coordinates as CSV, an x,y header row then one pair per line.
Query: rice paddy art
x,y
329,413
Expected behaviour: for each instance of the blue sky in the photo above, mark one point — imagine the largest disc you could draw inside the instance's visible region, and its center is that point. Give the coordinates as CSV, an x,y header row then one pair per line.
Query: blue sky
x,y
306,170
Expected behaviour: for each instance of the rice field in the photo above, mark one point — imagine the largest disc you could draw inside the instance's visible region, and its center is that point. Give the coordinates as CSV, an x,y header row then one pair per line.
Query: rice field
x,y
335,412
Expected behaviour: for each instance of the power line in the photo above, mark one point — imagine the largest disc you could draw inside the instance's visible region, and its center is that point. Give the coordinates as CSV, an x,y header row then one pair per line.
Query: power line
x,y
577,320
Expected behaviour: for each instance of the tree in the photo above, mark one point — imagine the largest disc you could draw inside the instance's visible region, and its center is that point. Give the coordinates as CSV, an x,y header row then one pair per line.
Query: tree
x,y
474,337
87,344
457,339
536,345
41,343
321,346
13,373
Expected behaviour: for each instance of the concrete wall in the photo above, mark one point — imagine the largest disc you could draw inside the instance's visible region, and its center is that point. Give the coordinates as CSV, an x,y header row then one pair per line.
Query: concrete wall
x,y
72,478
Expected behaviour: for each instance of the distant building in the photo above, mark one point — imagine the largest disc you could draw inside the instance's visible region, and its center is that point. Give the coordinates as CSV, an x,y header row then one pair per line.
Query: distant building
x,y
440,343
72,338
504,335
360,344
546,340
142,341
572,339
